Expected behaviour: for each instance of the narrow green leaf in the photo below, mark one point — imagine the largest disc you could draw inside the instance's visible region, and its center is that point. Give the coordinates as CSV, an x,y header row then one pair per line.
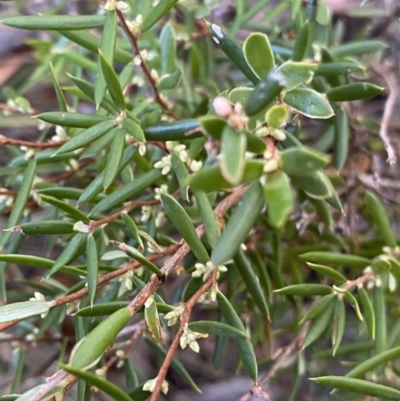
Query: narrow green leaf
x,y
183,224
217,328
103,309
20,201
96,186
336,259
329,69
367,310
251,281
379,216
55,22
358,48
171,81
309,290
328,272
104,385
158,12
152,320
211,226
134,129
74,247
87,351
86,137
27,260
132,227
182,175
357,91
339,319
66,207
174,131
92,43
211,178
379,306
114,157
359,386
264,94
279,198
233,51
69,119
112,82
92,267
62,104
128,191
244,347
341,139
319,325
239,225
317,308
233,148
168,50
371,363
258,53
22,310
351,299
107,47
47,227
309,103
300,45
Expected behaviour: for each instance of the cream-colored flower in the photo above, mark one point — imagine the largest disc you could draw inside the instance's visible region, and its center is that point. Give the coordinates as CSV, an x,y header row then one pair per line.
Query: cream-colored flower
x,y
164,164
174,315
196,165
163,189
204,270
190,337
210,295
178,149
112,5
147,212
150,385
125,279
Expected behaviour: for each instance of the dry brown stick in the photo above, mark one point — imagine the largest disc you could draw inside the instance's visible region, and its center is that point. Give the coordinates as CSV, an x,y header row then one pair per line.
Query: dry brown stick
x,y
38,145
133,40
175,343
94,224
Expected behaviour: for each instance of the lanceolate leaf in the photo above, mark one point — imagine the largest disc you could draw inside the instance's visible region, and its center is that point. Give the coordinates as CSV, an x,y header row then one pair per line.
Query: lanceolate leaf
x,y
22,310
182,222
162,8
239,225
359,386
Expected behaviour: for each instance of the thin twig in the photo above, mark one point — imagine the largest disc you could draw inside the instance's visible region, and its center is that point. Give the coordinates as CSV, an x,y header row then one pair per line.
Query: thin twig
x,y
389,75
133,40
37,145
175,343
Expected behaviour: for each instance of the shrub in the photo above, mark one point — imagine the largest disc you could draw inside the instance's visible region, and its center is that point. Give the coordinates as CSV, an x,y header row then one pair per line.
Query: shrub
x,y
196,205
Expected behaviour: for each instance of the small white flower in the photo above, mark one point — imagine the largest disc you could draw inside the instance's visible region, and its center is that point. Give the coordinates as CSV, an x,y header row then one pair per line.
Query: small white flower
x,y
190,337
271,165
116,5
147,212
278,134
72,307
262,131
60,135
100,373
154,74
160,219
164,164
81,227
151,384
179,150
142,148
163,189
149,301
205,270
8,200
126,281
38,296
196,165
210,295
174,315
134,26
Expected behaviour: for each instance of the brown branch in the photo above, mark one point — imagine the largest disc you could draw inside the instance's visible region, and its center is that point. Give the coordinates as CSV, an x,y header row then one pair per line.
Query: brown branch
x,y
133,40
38,145
358,281
94,224
175,343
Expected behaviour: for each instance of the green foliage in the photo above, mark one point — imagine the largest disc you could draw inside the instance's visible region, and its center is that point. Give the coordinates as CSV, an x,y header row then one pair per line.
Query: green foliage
x,y
175,158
